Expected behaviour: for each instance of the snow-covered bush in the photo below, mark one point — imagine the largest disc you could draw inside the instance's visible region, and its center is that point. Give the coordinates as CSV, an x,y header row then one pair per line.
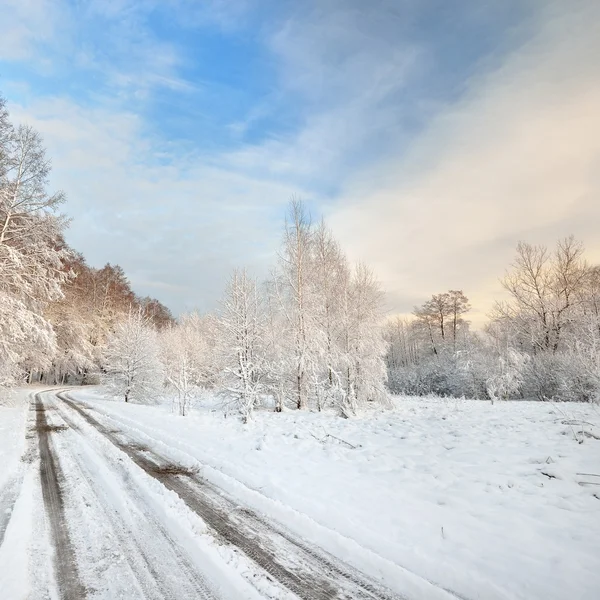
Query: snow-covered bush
x,y
508,379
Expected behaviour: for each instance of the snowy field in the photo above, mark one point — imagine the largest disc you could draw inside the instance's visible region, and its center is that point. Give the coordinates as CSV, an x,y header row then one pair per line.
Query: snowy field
x,y
433,498
486,501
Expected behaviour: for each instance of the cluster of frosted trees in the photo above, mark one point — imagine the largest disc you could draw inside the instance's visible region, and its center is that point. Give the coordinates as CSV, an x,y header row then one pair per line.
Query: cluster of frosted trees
x,y
309,337
542,342
56,313
32,253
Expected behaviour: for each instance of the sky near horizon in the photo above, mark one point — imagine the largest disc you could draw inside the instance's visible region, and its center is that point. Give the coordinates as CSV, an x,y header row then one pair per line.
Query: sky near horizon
x,y
432,135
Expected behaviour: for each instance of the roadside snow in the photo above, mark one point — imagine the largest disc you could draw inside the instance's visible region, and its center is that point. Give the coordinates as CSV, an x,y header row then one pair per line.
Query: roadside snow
x,y
13,419
486,501
25,548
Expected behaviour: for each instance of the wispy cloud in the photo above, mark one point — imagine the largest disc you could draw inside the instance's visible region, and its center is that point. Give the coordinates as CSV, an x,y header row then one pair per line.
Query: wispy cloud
x,y
26,25
433,137
516,158
176,226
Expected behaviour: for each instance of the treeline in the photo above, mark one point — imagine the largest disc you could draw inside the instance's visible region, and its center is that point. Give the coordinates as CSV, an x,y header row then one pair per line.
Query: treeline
x,y
542,342
307,338
314,335
56,313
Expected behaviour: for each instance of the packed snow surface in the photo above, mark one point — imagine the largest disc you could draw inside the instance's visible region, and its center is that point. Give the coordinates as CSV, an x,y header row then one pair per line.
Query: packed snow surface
x,y
486,501
431,498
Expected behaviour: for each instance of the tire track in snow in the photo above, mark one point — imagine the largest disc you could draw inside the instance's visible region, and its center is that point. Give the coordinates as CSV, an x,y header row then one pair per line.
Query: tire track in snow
x,y
67,576
309,573
162,570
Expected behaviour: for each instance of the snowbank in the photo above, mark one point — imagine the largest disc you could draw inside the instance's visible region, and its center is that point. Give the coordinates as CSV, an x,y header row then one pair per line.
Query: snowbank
x,y
13,420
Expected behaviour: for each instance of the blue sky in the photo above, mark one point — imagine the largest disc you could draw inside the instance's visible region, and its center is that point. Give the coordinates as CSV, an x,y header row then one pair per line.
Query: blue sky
x,y
179,129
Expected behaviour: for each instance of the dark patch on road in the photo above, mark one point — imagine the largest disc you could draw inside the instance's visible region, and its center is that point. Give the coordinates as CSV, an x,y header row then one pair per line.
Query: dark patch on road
x,y
50,428
318,576
170,469
67,576
135,446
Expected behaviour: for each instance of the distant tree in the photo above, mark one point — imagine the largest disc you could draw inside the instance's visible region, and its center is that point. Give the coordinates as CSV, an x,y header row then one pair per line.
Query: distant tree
x,y
157,312
458,305
545,292
131,360
188,356
441,317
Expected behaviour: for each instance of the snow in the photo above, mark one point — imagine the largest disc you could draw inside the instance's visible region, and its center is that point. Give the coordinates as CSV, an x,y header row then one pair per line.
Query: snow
x,y
24,546
482,500
126,515
13,418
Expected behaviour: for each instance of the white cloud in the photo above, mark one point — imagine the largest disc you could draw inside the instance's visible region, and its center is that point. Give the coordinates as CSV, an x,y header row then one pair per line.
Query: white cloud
x,y
517,158
177,227
25,24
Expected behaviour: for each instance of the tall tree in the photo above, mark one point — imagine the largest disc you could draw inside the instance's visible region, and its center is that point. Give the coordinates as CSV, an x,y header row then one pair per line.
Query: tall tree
x,y
241,326
328,276
32,251
545,289
131,360
363,366
294,291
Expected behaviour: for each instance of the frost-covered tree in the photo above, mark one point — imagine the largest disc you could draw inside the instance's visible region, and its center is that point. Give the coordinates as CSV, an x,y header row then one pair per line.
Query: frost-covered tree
x,y
549,315
361,370
94,301
160,316
441,318
294,290
545,293
509,375
241,326
131,360
329,275
32,251
323,333
188,356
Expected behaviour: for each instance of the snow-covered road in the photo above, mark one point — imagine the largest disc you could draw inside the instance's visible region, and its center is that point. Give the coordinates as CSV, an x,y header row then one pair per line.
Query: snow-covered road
x,y
433,499
122,519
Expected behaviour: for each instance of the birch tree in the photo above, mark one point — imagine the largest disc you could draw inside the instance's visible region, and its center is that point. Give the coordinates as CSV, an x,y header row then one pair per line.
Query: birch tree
x,y
328,275
363,368
32,251
131,360
187,351
242,333
294,292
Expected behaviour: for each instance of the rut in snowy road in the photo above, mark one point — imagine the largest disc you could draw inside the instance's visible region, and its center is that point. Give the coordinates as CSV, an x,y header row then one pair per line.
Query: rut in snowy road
x,y
67,577
150,563
308,572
